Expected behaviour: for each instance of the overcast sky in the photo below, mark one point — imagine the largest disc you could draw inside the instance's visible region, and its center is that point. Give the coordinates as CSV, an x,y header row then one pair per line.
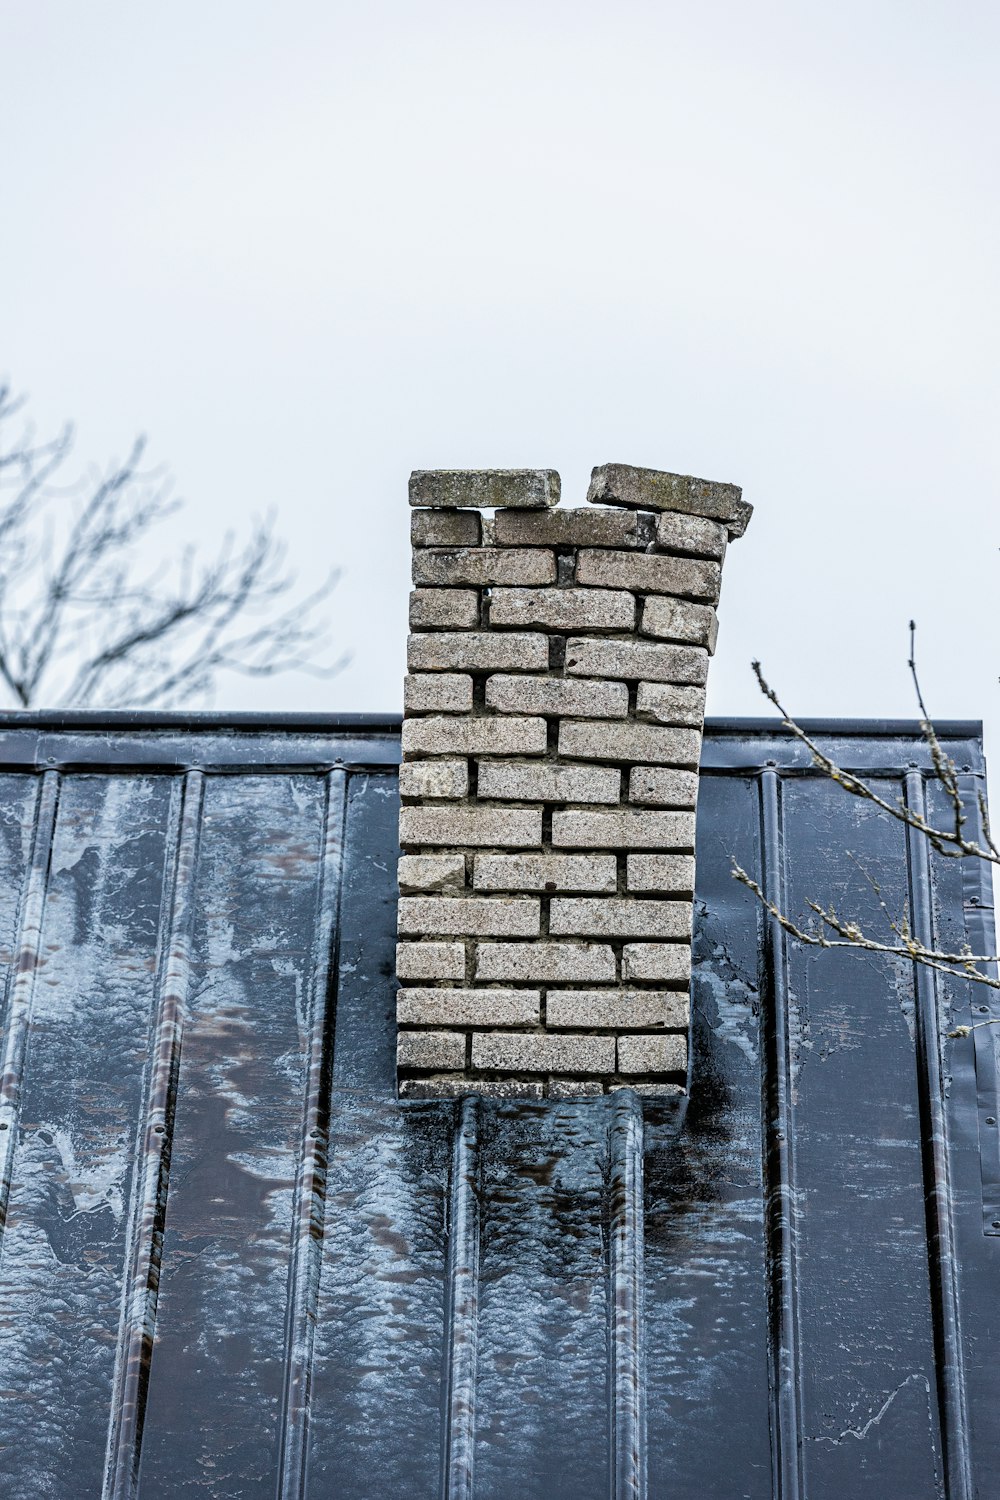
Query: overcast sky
x,y
309,246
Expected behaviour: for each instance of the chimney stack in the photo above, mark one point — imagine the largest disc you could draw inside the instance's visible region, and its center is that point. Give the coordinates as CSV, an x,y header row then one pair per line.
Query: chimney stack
x,y
557,661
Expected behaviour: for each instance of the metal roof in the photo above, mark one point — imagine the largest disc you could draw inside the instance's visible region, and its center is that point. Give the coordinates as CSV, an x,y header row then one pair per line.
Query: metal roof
x,y
234,1265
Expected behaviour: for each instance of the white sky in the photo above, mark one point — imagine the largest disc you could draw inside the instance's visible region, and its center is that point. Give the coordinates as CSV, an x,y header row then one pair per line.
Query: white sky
x,y
309,246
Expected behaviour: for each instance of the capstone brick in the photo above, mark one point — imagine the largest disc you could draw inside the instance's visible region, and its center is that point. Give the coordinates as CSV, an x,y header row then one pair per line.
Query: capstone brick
x,y
541,1052
680,620
661,786
430,1049
484,566
484,489
592,699
479,736
646,573
554,963
474,916
621,917
479,651
471,827
660,872
651,489
464,1007
597,739
434,778
445,528
444,609
430,960
665,703
432,872
437,692
545,872
652,1054
564,608
574,528
624,828
586,657
617,1010
662,963
547,781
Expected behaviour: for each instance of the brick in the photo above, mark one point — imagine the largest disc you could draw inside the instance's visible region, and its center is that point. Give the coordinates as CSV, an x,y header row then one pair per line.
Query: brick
x,y
651,1054
485,489
659,786
447,1007
692,534
444,609
599,739
454,528
620,917
430,1049
437,692
430,960
564,608
626,828
663,963
680,620
475,916
546,781
617,1010
574,1088
466,736
432,872
647,1090
665,703
558,963
455,1085
661,872
540,1052
582,697
484,566
434,778
632,659
645,573
479,651
503,827
574,528
546,872
652,489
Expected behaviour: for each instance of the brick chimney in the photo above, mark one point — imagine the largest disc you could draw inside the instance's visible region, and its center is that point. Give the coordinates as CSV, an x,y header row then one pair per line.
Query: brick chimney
x,y
557,661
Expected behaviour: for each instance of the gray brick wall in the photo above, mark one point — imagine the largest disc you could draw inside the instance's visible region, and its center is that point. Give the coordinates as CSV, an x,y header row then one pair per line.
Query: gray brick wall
x,y
553,716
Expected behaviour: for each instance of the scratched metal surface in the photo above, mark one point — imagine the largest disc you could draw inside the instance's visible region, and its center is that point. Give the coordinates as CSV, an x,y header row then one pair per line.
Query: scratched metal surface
x,y
233,1266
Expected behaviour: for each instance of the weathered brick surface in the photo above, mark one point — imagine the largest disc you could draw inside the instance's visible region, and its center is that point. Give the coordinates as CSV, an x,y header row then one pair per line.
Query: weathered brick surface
x,y
445,528
590,739
471,827
664,703
623,828
652,489
546,872
432,872
598,699
680,620
660,786
484,489
430,1049
485,566
575,528
545,781
542,961
437,692
457,1007
564,609
430,961
468,736
652,1054
693,534
617,1010
622,917
444,609
434,778
647,573
632,659
475,916
541,1052
555,657
660,872
479,651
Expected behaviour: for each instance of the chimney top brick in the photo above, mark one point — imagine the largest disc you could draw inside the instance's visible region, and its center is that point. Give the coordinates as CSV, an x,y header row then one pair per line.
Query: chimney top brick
x,y
651,489
484,489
